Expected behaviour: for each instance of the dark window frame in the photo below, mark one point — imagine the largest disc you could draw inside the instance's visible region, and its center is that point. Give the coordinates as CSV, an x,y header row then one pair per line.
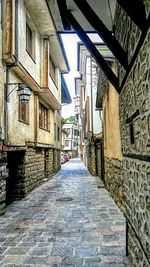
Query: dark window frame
x,y
52,69
43,117
23,114
30,44
58,133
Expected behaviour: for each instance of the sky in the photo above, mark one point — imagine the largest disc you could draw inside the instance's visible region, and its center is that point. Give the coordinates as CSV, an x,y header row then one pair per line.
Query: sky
x,y
70,44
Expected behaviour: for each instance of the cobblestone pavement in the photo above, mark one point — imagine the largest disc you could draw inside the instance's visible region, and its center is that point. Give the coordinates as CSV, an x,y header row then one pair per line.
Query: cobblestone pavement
x,y
45,230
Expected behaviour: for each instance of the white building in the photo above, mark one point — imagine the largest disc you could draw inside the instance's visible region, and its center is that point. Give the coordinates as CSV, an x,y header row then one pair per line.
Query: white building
x,y
71,139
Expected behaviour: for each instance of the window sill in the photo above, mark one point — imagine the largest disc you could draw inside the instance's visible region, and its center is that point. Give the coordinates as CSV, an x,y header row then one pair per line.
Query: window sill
x,y
44,129
25,122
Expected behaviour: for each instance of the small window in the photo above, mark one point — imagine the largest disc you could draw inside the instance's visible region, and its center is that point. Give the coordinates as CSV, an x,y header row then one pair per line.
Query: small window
x,y
76,133
74,144
23,112
131,133
67,143
67,132
30,41
43,117
58,134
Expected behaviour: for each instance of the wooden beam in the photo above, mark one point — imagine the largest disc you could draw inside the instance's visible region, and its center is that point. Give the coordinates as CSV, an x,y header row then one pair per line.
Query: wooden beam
x,y
135,10
62,5
92,49
103,32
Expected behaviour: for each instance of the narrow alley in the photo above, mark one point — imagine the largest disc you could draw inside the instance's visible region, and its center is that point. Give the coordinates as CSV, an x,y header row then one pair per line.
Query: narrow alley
x,y
68,221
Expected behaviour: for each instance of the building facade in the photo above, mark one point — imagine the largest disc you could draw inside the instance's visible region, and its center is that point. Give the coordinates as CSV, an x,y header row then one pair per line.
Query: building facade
x,y
32,57
89,115
71,138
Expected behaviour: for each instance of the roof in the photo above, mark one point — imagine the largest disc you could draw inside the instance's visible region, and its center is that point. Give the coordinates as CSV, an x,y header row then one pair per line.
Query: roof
x,y
82,53
104,9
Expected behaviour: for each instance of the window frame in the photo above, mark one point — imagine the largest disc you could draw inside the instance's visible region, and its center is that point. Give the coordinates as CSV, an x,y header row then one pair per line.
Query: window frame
x,y
68,141
43,117
23,112
52,69
58,133
30,41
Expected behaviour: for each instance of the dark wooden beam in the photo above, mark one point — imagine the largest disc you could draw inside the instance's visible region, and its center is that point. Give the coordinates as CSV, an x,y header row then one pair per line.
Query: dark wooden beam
x,y
62,5
103,32
135,10
92,49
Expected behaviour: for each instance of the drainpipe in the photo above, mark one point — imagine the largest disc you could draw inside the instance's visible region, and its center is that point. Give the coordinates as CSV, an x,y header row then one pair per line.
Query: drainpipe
x,y
91,96
8,67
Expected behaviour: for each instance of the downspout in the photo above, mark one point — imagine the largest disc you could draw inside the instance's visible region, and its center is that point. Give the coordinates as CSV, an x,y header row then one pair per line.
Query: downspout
x,y
8,67
91,96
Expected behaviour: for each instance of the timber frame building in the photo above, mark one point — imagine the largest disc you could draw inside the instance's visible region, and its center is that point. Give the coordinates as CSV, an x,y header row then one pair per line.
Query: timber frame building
x,y
33,59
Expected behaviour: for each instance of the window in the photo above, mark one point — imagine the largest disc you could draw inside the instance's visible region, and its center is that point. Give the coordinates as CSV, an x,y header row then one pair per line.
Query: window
x,y
58,134
43,117
23,112
76,133
55,131
74,144
52,69
67,132
30,41
67,143
131,133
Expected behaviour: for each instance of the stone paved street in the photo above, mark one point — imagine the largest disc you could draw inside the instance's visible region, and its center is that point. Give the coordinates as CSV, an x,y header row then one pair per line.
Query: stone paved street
x,y
45,230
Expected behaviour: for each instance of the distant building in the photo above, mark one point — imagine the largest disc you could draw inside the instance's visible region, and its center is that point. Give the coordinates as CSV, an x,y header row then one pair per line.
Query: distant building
x,y
88,115
71,138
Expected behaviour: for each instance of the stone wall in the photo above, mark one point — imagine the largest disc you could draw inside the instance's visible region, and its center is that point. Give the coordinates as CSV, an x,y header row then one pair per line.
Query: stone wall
x,y
56,157
136,175
29,169
114,181
49,163
135,138
34,169
91,159
98,160
26,171
2,182
58,160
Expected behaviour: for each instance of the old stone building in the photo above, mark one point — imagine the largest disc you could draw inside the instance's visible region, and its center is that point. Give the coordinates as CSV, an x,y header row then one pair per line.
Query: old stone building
x,y
30,132
108,102
134,108
127,173
129,164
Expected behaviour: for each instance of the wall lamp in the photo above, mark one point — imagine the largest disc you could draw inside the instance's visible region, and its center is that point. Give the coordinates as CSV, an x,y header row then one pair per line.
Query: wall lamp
x,y
24,92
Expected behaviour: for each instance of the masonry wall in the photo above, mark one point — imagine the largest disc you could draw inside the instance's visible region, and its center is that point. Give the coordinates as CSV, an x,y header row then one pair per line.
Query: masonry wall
x,y
112,146
135,139
26,171
114,181
91,158
2,182
98,160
